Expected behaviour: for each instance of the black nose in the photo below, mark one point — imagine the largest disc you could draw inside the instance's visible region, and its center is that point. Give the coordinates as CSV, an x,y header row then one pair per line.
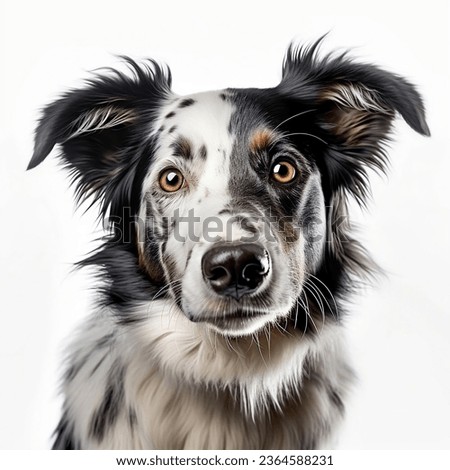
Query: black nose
x,y
235,270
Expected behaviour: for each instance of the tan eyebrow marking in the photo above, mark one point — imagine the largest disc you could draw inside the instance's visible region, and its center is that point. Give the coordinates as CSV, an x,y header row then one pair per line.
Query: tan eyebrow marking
x,y
261,139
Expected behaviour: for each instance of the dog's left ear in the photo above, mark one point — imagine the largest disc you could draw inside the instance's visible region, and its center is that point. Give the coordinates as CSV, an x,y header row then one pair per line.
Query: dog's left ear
x,y
355,105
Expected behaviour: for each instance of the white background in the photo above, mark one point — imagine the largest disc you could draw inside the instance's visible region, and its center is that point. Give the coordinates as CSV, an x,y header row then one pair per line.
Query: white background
x,y
399,332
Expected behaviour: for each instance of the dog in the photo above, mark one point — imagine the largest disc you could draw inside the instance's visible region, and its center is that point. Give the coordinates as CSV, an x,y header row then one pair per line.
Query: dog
x,y
229,254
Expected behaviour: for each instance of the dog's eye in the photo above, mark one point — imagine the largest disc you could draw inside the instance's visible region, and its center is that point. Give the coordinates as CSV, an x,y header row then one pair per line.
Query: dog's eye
x,y
171,180
283,172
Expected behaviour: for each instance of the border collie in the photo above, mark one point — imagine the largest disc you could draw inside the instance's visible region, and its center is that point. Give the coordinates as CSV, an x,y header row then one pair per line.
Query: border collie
x,y
229,255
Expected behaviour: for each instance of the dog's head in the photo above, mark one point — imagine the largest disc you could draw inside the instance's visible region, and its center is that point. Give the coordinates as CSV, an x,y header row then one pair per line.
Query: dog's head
x,y
231,202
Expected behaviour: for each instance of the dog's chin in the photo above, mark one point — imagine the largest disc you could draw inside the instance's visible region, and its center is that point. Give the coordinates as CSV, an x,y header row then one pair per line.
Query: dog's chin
x,y
242,327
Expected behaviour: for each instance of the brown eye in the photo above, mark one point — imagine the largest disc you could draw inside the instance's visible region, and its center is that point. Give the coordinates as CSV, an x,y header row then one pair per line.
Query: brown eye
x,y
283,172
171,180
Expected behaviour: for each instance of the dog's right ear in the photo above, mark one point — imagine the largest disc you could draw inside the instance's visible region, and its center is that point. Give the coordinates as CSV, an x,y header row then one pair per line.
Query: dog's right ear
x,y
97,127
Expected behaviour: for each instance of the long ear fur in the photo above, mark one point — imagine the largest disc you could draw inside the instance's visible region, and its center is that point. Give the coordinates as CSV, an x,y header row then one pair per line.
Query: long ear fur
x,y
99,129
356,104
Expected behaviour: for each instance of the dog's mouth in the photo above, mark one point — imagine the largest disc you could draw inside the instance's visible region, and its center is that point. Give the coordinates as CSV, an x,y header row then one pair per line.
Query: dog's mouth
x,y
233,317
237,322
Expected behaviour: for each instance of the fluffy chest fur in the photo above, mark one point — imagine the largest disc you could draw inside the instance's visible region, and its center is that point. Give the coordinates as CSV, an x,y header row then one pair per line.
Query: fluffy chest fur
x,y
175,387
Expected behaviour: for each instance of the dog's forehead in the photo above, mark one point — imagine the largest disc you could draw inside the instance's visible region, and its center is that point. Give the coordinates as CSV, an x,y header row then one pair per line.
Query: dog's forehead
x,y
202,116
213,121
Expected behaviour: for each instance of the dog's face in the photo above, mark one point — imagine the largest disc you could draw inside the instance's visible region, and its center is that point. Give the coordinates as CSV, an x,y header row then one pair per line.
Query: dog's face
x,y
235,208
231,202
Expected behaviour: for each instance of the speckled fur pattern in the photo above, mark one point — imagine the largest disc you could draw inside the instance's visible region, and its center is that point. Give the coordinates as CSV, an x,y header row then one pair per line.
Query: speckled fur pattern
x,y
164,361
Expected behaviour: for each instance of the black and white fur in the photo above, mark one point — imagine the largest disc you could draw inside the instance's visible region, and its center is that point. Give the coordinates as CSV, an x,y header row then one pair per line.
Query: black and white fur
x,y
164,361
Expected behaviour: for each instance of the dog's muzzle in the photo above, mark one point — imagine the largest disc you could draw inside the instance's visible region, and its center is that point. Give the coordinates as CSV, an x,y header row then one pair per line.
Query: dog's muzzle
x,y
235,269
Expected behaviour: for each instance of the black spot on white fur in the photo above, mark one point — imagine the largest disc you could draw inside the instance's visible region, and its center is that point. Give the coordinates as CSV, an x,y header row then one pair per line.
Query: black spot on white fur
x,y
182,147
203,152
132,418
112,404
224,96
186,102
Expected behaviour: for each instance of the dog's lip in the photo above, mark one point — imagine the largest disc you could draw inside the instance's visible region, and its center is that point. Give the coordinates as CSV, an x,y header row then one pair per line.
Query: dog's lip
x,y
236,317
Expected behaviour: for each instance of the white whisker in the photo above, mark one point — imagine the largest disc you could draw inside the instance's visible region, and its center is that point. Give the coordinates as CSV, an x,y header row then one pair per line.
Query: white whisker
x,y
331,295
292,117
282,136
319,304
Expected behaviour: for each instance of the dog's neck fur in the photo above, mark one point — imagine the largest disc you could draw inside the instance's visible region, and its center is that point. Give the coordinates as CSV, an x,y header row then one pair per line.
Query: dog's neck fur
x,y
184,387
